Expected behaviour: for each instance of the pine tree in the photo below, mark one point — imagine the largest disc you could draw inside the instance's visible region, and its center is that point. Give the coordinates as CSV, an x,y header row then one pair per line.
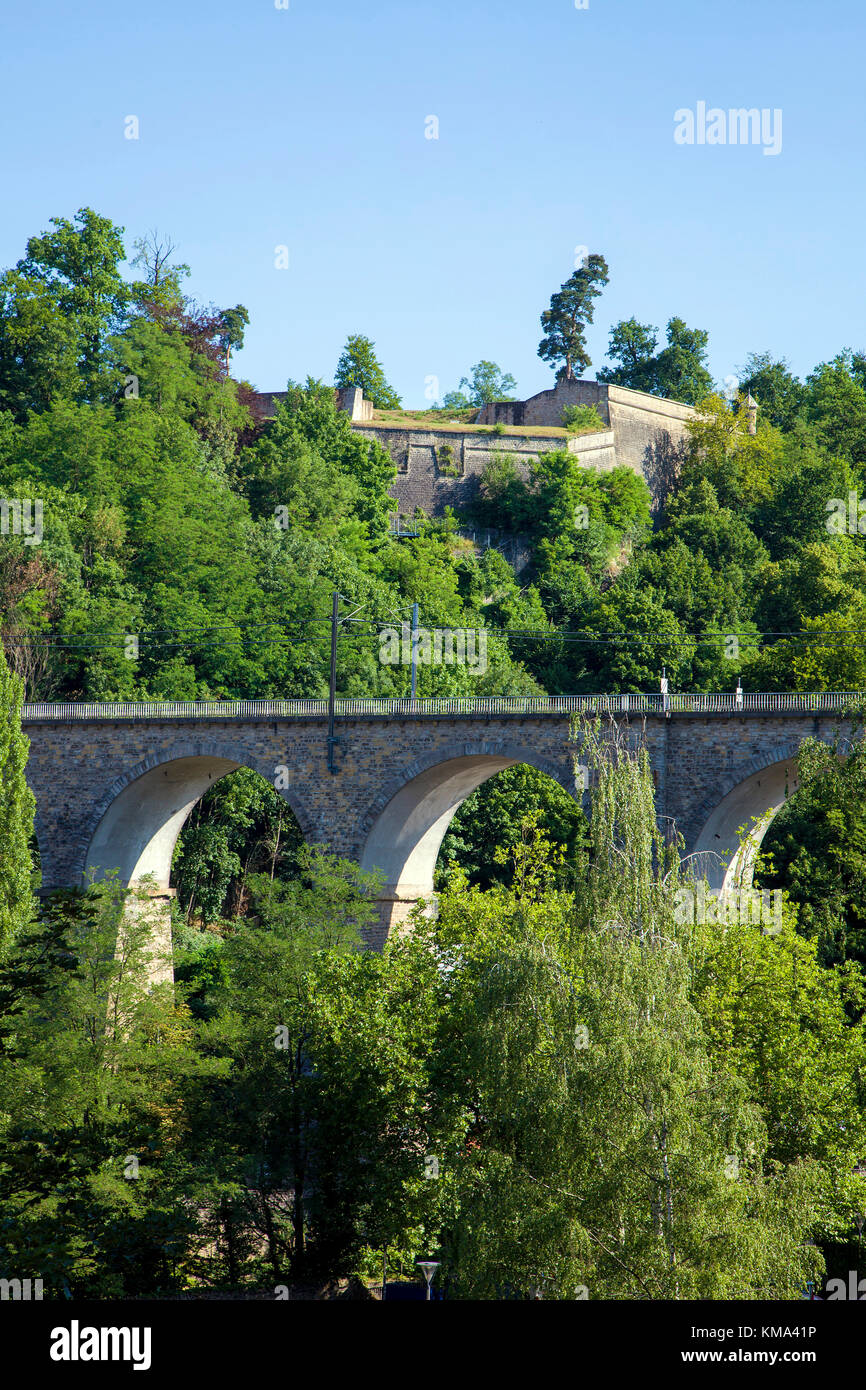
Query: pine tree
x,y
565,322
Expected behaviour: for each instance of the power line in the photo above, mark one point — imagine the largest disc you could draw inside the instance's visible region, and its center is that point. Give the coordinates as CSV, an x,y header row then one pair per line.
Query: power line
x,y
251,632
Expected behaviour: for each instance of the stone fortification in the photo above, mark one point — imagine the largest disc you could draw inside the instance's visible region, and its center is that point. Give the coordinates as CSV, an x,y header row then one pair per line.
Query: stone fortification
x,y
439,466
438,469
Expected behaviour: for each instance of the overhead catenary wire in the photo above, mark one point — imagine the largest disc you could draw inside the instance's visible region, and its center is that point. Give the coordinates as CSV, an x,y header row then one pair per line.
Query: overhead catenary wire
x,y
551,634
212,634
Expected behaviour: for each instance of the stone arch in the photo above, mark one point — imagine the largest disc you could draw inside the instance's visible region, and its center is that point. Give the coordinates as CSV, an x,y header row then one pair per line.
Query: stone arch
x,y
135,824
403,828
758,789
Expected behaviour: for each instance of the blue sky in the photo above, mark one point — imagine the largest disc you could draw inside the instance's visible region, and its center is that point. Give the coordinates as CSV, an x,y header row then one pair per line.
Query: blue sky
x,y
305,127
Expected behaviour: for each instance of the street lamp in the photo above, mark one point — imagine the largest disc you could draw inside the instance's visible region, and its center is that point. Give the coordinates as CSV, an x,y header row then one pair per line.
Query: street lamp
x,y
428,1269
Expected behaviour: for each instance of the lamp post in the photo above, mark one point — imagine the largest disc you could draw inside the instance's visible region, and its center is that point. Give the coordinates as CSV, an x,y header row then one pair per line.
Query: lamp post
x,y
428,1269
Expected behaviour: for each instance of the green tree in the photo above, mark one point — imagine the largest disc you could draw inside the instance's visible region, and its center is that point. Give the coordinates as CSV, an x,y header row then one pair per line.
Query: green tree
x,y
836,406
93,1064
315,1135
17,808
793,1030
632,347
231,339
632,637
159,295
348,477
565,322
78,263
241,826
745,470
500,816
487,383
359,366
824,654
771,383
38,346
598,1129
816,850
678,372
454,401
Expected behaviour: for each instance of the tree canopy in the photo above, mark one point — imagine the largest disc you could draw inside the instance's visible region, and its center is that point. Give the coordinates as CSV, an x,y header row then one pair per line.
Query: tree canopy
x,y
359,366
572,308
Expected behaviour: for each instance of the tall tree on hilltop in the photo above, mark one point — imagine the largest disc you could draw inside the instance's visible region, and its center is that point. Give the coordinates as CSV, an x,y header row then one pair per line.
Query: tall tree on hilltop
x,y
632,347
16,810
488,383
232,337
679,372
159,294
359,366
79,265
564,323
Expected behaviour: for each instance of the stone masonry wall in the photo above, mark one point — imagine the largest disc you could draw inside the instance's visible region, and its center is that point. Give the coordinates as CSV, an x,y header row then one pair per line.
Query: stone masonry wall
x,y
419,454
646,434
76,769
547,406
649,433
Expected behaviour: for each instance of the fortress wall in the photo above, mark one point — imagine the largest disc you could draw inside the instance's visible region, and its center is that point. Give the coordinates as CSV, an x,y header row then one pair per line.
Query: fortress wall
x,y
646,434
422,480
639,420
650,433
350,399
651,436
546,408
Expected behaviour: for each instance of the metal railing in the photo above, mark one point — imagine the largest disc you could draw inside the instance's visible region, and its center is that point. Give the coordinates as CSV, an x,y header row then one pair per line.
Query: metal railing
x,y
448,706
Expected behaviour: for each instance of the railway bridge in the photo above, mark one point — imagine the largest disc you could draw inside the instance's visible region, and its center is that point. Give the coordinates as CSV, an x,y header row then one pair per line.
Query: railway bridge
x,y
114,783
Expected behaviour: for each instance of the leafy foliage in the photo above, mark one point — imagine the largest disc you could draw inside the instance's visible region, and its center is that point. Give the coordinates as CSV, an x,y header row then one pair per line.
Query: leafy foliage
x,y
679,371
16,812
172,515
359,366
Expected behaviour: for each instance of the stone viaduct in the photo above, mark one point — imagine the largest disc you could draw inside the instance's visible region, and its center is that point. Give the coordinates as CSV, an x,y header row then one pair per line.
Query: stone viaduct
x,y
115,783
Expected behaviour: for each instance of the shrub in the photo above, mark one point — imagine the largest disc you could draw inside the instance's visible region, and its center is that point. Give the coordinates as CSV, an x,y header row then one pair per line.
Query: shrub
x,y
580,418
445,461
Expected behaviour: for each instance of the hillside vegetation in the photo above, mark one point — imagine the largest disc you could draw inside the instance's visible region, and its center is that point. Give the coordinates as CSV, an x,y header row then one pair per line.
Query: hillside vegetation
x,y
556,1085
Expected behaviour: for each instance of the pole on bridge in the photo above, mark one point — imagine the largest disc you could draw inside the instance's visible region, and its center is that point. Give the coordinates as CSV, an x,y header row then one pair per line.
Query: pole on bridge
x,y
332,695
414,648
